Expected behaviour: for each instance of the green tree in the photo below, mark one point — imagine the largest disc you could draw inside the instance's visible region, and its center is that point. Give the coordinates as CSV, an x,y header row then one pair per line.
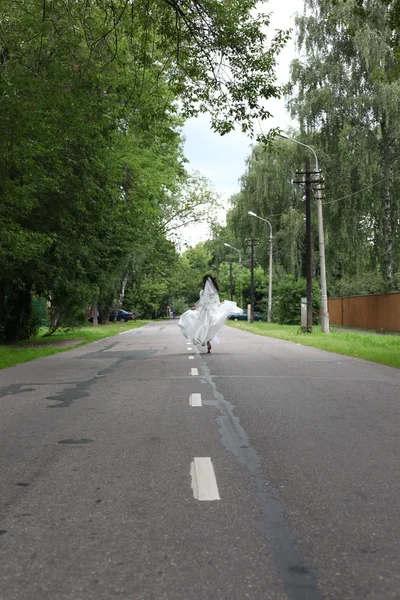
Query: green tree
x,y
92,155
346,97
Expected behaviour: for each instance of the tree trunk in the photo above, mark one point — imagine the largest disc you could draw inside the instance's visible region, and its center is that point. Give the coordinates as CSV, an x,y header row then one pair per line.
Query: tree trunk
x,y
123,288
121,295
55,317
105,315
95,312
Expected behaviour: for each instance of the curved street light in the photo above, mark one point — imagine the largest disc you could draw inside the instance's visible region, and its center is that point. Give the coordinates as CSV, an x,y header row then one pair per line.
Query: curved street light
x,y
270,264
241,269
321,238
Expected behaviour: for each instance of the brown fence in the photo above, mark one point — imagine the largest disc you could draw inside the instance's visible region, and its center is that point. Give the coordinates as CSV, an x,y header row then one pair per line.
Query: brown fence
x,y
375,311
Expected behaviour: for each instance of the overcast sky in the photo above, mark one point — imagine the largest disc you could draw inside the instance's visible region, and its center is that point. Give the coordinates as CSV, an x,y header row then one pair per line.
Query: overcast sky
x,y
222,158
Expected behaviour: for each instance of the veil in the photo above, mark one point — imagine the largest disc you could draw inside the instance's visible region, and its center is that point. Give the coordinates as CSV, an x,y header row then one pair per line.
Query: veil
x,y
209,287
209,296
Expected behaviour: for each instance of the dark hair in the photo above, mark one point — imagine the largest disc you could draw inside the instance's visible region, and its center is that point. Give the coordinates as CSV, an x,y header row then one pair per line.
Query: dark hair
x,y
212,279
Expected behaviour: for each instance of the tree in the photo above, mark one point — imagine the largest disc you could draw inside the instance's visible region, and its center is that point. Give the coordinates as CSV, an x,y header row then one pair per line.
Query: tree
x,y
92,99
267,189
346,96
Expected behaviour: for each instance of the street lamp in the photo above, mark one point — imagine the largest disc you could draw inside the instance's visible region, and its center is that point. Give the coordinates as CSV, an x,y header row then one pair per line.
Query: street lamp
x,y
324,295
241,269
270,265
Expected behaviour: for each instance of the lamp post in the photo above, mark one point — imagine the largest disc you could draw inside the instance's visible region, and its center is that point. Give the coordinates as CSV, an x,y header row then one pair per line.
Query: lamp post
x,y
270,265
241,269
324,294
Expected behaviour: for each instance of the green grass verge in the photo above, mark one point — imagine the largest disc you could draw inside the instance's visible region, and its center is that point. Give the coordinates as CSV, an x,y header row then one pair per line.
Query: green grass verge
x,y
384,349
39,346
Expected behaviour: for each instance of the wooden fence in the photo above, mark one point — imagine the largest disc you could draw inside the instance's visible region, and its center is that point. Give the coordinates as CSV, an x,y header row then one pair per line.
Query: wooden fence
x,y
375,311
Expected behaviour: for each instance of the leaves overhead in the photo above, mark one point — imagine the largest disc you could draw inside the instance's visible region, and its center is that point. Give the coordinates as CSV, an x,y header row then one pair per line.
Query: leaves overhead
x,y
92,176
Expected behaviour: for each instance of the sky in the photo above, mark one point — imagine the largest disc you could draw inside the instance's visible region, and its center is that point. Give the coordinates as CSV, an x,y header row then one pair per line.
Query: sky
x,y
222,158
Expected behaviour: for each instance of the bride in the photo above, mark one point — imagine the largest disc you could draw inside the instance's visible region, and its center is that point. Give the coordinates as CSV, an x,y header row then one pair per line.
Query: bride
x,y
202,322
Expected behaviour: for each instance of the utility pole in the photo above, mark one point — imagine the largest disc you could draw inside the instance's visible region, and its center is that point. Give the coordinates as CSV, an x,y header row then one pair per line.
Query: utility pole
x,y
324,293
308,246
230,279
324,314
269,318
252,279
251,319
308,182
241,281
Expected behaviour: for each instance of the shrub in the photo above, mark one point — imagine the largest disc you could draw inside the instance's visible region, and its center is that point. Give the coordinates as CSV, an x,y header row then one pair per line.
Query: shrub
x,y
287,301
68,309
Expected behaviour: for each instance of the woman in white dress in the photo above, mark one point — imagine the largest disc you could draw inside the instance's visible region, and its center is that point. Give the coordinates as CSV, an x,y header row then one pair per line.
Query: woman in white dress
x,y
202,322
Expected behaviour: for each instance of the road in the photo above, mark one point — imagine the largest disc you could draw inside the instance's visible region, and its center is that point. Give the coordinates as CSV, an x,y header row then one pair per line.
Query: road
x,y
138,468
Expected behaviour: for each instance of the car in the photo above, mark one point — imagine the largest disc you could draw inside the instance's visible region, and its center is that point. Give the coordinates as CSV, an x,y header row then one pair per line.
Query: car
x,y
123,316
243,316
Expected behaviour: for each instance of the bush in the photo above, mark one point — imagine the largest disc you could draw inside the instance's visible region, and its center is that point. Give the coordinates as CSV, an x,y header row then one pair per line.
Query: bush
x,y
69,309
287,301
355,285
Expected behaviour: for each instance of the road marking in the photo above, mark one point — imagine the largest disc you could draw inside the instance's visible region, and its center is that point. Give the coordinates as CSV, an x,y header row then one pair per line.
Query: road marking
x,y
195,400
189,348
191,357
194,372
204,483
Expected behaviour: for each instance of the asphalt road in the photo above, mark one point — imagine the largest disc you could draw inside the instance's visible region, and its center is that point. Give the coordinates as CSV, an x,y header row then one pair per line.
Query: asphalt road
x,y
272,474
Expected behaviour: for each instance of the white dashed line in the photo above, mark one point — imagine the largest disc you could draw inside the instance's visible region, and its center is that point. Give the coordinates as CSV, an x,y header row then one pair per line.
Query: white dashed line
x,y
194,372
191,357
189,348
195,400
204,483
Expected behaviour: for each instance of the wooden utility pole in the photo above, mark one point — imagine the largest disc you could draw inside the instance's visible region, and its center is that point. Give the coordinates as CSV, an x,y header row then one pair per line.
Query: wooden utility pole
x,y
251,280
308,246
230,280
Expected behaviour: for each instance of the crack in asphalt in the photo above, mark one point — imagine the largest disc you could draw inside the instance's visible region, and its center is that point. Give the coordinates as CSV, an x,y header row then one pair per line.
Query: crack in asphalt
x,y
299,580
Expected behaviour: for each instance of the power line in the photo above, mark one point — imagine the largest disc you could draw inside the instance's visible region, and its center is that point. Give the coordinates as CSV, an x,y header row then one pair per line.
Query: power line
x,y
368,187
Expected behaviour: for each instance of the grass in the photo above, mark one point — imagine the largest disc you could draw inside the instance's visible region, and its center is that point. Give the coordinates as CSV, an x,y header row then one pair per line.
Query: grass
x,y
60,341
384,349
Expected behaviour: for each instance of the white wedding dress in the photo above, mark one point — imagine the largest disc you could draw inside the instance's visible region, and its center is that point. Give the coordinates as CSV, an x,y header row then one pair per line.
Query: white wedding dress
x,y
201,324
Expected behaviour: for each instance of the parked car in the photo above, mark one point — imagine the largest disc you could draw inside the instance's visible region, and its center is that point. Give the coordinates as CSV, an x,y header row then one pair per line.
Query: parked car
x,y
243,316
123,316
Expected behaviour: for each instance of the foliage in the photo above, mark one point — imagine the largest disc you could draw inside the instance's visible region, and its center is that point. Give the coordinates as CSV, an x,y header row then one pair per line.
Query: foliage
x,y
346,96
287,300
180,306
344,92
268,191
92,177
